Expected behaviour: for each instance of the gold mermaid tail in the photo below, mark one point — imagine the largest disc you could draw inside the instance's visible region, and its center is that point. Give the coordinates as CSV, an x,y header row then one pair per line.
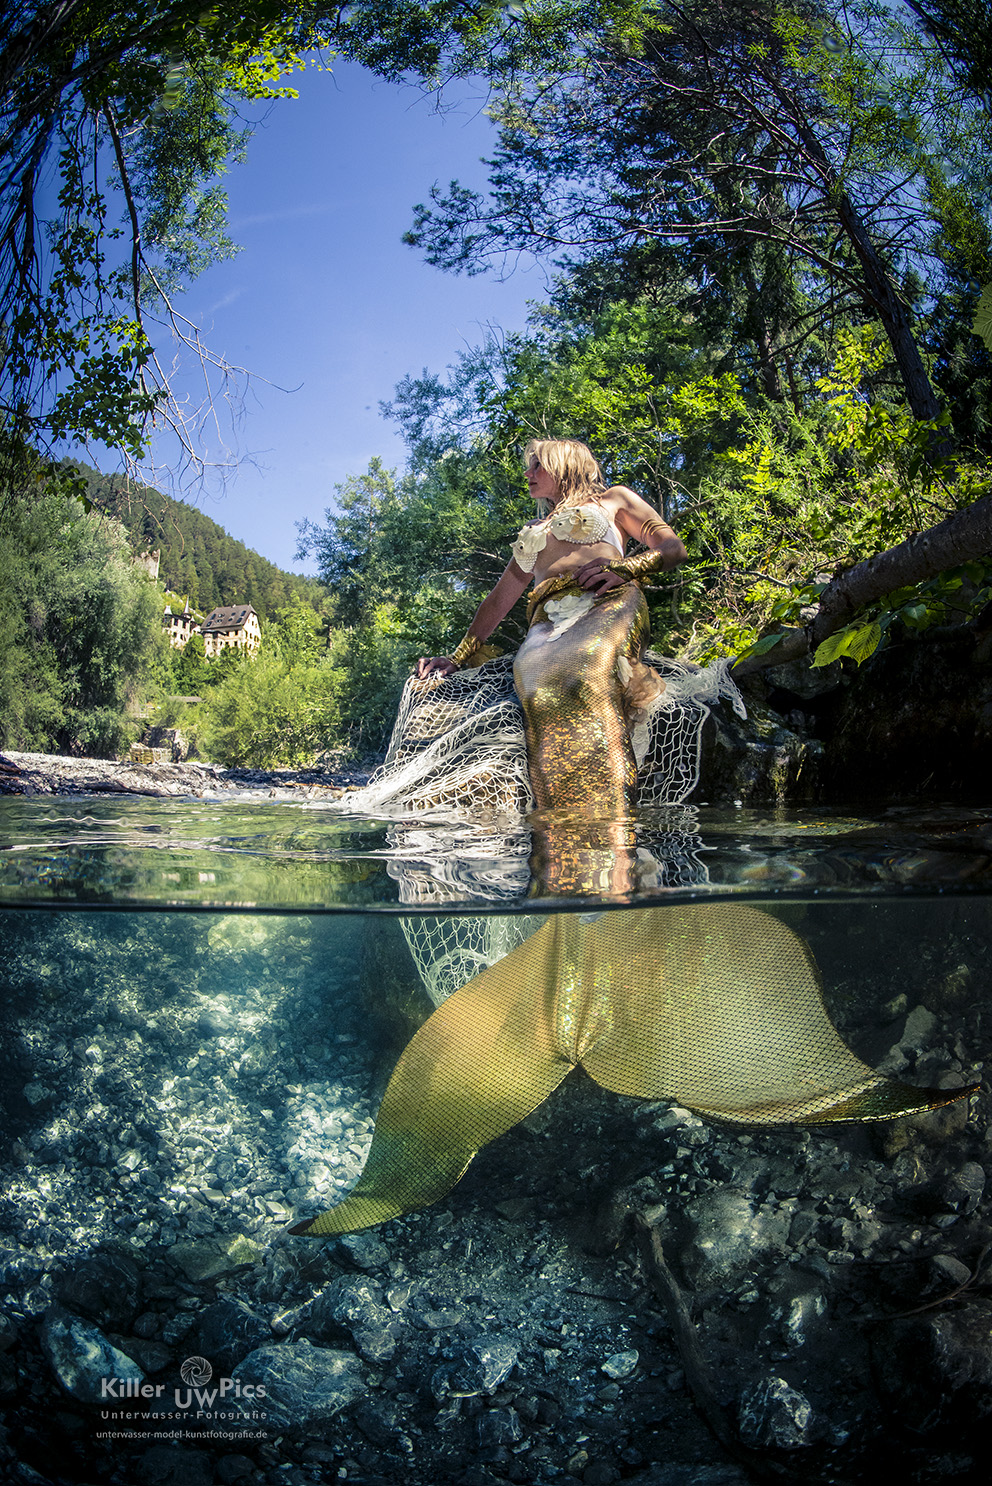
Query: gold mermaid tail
x,y
715,1006
579,676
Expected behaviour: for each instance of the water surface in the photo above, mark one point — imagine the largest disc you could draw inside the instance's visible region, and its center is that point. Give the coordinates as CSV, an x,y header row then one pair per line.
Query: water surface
x,y
193,1058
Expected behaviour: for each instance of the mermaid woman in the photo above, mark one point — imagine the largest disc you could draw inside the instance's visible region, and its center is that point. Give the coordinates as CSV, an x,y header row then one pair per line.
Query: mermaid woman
x,y
578,674
715,1005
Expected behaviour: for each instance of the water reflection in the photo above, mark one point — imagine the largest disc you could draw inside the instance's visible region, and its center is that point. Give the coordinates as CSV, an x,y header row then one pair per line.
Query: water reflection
x,y
197,853
715,1006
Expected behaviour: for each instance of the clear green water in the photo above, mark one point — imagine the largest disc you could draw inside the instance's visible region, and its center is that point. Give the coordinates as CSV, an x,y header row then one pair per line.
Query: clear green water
x,y
194,854
194,1056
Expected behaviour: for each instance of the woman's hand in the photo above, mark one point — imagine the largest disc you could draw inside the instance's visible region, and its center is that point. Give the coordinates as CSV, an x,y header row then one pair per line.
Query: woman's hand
x,y
435,665
596,577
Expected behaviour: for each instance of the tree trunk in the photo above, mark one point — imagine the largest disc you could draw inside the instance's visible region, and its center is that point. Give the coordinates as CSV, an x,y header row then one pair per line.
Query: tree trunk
x,y
880,292
885,300
962,537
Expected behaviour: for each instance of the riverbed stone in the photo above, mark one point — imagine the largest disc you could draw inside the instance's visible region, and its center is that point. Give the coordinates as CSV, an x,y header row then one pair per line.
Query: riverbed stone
x,y
498,1427
81,1356
934,1366
774,1415
104,1288
475,1367
227,1331
168,1465
621,1364
354,1306
363,1250
725,1233
207,1258
304,1385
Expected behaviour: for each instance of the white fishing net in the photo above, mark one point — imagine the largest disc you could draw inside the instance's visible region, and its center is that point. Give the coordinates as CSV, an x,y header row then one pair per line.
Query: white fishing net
x,y
449,952
457,749
455,775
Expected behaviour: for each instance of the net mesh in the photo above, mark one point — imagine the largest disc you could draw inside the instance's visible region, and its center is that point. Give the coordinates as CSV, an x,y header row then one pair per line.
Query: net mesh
x,y
715,1005
457,763
457,747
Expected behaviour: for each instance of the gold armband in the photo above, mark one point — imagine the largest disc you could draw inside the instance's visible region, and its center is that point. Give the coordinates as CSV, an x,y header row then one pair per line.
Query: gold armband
x,y
652,525
465,649
639,565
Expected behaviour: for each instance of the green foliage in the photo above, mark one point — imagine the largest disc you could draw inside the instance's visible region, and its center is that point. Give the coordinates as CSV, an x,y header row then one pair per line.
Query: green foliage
x,y
80,628
269,712
191,671
280,708
144,99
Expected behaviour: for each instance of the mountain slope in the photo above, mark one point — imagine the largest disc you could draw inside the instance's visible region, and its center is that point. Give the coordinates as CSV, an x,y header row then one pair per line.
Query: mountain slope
x,y
198,557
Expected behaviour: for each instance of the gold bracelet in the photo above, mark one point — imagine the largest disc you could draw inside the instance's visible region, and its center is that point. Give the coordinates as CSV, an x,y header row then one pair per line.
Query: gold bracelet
x,y
465,649
652,524
640,564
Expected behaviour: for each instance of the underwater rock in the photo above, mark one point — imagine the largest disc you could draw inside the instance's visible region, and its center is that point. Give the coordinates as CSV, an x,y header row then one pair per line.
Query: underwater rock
x,y
929,1367
798,1306
621,1364
496,1427
725,1233
355,1305
476,1367
171,1465
964,1188
150,1356
363,1250
207,1258
81,1356
683,1475
227,1331
232,1468
304,1385
773,1415
106,1288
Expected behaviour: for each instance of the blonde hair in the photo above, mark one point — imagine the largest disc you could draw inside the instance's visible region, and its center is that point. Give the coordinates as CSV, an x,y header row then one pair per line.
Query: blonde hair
x,y
573,467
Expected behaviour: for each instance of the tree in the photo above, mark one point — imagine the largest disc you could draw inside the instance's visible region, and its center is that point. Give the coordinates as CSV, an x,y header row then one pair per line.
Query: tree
x,y
961,27
80,629
273,709
145,97
713,128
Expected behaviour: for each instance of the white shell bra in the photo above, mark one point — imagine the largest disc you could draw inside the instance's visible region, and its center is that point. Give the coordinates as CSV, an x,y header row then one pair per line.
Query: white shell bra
x,y
582,525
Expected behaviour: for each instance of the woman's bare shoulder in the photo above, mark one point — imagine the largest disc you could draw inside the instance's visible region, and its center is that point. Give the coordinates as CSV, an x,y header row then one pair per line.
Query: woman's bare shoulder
x,y
621,498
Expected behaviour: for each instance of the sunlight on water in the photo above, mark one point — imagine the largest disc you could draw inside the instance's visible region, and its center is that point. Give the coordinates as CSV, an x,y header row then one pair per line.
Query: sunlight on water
x,y
141,853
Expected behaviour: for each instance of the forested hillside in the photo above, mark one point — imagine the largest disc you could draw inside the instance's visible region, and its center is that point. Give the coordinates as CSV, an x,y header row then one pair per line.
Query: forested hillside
x,y
197,557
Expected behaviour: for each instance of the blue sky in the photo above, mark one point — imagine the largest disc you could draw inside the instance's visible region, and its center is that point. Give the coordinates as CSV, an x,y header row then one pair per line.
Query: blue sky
x,y
325,298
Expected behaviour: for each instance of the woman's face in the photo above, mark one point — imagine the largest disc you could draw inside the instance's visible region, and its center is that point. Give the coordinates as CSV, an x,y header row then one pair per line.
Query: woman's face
x,y
542,485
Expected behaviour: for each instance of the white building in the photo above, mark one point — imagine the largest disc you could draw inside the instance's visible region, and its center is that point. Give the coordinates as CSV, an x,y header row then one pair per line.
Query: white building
x,y
232,624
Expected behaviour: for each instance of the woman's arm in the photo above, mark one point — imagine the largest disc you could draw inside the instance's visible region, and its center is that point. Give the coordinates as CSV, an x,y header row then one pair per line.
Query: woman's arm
x,y
493,609
638,520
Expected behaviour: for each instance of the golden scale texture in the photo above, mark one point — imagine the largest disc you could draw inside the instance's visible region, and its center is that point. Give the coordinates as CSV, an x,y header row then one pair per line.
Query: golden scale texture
x,y
572,678
714,1005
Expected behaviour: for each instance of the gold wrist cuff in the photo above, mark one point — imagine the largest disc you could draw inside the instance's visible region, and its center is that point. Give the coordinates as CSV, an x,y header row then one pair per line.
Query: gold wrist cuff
x,y
639,565
465,649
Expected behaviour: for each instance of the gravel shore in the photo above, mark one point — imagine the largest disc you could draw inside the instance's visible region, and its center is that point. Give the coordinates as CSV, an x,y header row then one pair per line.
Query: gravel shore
x,y
54,774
